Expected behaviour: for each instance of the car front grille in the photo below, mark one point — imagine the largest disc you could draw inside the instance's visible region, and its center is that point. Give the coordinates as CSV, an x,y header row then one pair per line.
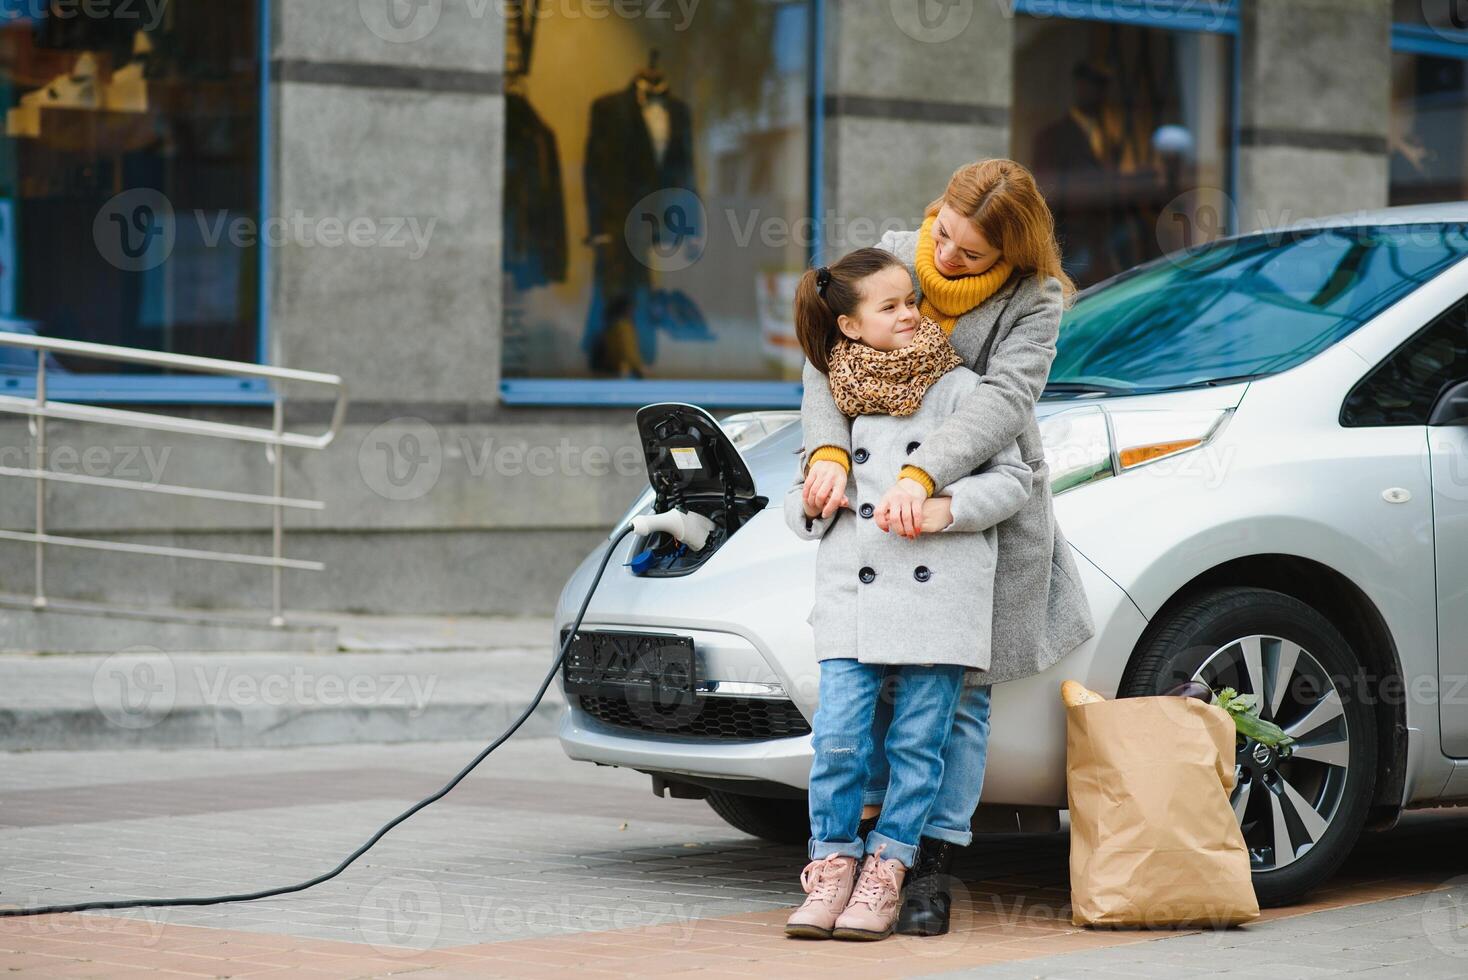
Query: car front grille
x,y
716,719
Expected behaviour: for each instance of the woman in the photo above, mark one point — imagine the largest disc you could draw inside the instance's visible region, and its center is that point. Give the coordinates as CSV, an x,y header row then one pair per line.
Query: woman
x,y
988,270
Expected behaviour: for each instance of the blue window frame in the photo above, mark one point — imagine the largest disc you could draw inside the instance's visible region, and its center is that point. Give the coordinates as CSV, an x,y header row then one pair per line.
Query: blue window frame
x,y
1429,106
143,388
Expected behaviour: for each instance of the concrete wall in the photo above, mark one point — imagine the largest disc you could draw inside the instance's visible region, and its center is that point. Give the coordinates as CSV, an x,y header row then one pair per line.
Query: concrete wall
x,y
906,103
1316,93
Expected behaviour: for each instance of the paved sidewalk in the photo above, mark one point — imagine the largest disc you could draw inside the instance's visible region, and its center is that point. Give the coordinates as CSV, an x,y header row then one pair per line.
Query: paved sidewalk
x,y
537,866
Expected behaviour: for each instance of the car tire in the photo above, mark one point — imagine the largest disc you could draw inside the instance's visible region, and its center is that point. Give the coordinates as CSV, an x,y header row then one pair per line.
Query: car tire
x,y
781,821
1248,632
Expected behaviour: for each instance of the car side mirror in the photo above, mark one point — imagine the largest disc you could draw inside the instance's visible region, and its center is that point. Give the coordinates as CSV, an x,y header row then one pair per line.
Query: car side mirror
x,y
1451,407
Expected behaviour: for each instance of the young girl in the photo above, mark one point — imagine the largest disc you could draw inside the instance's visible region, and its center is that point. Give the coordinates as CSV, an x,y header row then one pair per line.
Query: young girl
x,y
910,611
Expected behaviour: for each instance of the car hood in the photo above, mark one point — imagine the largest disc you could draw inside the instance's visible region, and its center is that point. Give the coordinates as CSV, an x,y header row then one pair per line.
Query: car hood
x,y
774,461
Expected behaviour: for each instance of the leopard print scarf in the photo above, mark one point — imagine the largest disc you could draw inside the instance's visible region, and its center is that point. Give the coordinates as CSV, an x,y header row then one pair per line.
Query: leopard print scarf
x,y
867,381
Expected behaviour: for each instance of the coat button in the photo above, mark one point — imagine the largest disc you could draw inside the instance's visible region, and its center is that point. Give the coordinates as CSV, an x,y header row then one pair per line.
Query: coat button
x,y
860,455
921,573
911,446
867,510
866,575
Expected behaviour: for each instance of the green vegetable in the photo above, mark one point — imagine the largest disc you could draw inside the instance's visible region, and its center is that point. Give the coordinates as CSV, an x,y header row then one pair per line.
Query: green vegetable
x,y
1244,709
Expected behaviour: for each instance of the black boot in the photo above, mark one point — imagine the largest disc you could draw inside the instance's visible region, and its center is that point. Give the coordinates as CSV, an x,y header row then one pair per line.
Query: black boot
x,y
928,899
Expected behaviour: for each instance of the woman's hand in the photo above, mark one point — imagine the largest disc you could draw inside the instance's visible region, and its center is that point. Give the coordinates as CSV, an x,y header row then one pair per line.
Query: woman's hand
x,y
825,488
937,514
901,508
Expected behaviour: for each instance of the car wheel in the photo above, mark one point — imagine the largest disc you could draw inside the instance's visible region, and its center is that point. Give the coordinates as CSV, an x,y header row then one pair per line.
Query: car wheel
x,y
781,821
1302,809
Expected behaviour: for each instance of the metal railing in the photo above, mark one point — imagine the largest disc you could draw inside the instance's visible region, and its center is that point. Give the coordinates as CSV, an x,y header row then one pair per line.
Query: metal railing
x,y
39,409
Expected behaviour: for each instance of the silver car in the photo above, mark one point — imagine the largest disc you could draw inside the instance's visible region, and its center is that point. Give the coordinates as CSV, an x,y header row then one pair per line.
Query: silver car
x,y
1259,450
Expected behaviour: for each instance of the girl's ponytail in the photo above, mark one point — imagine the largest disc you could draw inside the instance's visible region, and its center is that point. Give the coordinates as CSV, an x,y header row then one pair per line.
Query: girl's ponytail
x,y
828,292
815,324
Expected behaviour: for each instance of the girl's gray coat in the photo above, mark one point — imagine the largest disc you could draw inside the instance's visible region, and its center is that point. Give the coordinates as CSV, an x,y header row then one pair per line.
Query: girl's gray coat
x,y
884,599
1040,612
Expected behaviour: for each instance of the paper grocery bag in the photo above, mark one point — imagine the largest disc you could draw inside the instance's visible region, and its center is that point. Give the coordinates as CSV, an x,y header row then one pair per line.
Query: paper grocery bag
x,y
1153,839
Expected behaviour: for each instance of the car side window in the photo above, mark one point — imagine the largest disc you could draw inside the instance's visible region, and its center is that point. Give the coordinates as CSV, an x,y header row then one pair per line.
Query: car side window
x,y
1402,388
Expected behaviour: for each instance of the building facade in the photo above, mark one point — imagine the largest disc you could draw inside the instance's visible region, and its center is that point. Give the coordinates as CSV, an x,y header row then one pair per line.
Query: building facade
x,y
508,224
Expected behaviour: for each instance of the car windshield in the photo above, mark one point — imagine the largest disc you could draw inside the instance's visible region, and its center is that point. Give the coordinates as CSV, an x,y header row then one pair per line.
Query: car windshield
x,y
1243,307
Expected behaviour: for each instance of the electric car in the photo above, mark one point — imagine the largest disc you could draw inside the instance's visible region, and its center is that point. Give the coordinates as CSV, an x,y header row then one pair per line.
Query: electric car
x,y
1259,454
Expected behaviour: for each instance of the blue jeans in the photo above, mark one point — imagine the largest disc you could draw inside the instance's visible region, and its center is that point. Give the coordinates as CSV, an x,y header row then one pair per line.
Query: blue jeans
x,y
920,716
963,768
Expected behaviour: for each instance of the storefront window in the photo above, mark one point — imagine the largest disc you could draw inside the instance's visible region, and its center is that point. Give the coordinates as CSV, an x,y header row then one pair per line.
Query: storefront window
x,y
1428,136
1127,129
130,160
656,192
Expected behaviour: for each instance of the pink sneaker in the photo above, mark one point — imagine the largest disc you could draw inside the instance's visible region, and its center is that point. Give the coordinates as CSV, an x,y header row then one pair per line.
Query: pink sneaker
x,y
827,883
872,911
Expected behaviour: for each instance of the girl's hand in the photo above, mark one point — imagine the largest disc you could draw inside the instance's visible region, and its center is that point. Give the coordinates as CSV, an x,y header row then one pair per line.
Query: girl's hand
x,y
901,509
937,513
825,488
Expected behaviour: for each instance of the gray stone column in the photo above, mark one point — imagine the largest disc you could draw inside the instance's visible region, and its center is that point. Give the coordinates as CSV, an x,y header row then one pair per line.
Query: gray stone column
x,y
1316,89
913,90
390,121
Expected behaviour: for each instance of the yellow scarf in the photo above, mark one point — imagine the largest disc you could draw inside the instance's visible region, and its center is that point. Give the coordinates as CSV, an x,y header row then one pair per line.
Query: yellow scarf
x,y
944,299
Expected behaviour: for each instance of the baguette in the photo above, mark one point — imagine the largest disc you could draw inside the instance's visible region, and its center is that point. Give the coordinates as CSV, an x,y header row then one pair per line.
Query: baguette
x,y
1074,693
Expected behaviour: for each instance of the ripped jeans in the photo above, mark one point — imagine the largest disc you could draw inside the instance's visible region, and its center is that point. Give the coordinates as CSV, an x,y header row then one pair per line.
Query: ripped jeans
x,y
924,700
964,760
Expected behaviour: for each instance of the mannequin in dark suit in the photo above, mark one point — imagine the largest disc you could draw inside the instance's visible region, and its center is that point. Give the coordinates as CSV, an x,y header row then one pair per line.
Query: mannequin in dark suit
x,y
624,163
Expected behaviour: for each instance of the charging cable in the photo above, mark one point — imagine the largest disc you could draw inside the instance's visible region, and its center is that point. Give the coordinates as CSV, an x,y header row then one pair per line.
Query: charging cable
x,y
301,886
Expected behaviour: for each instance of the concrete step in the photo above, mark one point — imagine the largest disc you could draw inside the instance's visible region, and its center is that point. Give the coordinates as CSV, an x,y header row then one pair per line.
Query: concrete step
x,y
66,626
152,699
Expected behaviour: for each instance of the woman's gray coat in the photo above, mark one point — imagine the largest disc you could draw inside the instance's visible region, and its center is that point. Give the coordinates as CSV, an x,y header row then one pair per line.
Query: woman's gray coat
x,y
1040,610
884,599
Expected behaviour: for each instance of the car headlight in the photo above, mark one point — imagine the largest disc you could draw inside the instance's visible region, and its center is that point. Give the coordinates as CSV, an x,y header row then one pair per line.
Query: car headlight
x,y
1090,443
